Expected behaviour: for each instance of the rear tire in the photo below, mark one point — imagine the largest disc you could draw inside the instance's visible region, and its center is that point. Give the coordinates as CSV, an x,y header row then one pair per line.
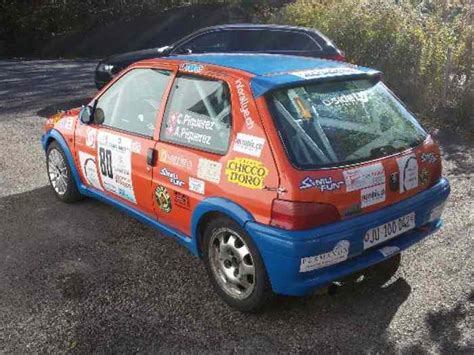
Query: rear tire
x,y
234,266
60,176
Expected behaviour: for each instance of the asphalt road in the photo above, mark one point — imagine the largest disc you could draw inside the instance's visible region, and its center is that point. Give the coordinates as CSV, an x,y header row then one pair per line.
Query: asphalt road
x,y
87,278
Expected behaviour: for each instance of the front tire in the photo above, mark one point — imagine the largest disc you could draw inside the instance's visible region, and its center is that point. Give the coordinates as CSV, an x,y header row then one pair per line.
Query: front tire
x,y
234,266
60,176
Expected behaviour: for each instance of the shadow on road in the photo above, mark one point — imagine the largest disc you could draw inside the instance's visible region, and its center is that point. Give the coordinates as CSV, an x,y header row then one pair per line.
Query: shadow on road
x,y
92,277
62,106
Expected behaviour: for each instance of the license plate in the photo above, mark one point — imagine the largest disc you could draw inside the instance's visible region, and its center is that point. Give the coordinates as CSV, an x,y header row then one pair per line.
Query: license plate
x,y
389,230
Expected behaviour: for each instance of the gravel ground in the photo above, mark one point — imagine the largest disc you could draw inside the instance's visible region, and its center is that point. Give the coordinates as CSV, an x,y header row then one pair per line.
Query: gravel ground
x,y
87,278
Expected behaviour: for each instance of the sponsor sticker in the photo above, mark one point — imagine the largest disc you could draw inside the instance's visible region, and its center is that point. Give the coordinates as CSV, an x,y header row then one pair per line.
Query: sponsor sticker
x,y
175,159
393,181
66,123
366,176
320,73
408,168
372,195
191,67
136,147
91,137
197,185
244,104
248,144
89,170
332,257
423,176
163,198
181,200
115,164
246,173
389,250
323,183
346,100
172,177
428,158
209,170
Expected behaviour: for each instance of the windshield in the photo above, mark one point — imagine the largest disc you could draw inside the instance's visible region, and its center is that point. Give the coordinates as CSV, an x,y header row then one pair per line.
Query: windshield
x,y
340,123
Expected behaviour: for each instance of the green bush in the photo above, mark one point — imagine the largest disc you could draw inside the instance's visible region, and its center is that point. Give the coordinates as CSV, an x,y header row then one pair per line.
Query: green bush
x,y
423,51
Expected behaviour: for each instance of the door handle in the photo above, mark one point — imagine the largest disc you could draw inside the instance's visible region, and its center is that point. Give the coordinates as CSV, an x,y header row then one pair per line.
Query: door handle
x,y
151,157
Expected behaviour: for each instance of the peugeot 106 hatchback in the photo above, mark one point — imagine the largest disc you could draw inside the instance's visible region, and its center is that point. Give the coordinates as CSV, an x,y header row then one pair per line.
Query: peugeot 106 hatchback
x,y
284,174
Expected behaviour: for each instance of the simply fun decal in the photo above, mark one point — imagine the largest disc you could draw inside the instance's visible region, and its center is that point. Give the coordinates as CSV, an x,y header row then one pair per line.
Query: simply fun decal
x,y
323,183
172,177
244,104
338,254
363,177
115,162
246,172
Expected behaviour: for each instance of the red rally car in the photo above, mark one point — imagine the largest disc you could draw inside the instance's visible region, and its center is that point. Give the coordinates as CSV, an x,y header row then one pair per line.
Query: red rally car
x,y
284,174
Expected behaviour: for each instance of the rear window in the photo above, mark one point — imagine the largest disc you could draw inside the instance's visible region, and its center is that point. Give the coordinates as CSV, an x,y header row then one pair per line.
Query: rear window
x,y
339,123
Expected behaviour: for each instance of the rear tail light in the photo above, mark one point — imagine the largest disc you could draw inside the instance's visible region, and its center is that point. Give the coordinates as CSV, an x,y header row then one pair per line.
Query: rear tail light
x,y
302,215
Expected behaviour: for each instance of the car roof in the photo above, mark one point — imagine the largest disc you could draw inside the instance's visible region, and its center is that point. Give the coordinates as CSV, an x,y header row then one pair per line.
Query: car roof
x,y
271,71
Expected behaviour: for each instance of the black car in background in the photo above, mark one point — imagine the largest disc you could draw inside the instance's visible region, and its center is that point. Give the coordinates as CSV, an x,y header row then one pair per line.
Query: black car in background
x,y
241,38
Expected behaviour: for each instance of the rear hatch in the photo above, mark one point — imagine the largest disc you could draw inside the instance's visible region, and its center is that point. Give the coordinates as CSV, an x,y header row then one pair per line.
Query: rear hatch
x,y
352,145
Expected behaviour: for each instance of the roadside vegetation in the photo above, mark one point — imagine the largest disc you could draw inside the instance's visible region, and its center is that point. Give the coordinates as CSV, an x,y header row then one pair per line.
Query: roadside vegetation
x,y
423,47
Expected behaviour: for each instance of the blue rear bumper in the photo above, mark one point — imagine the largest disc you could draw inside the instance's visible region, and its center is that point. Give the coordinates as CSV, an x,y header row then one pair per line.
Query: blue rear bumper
x,y
283,250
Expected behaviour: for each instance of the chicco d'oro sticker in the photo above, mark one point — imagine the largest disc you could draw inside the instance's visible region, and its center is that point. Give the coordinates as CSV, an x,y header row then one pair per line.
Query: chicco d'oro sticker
x,y
246,172
163,198
408,167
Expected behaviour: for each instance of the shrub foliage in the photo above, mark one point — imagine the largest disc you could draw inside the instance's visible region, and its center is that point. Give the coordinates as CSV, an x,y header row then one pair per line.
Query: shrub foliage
x,y
424,48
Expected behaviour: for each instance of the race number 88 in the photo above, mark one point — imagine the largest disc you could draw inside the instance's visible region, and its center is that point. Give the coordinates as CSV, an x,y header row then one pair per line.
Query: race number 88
x,y
105,161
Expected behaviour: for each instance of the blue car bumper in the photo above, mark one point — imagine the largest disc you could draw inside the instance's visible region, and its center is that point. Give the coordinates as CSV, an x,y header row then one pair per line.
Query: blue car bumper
x,y
282,251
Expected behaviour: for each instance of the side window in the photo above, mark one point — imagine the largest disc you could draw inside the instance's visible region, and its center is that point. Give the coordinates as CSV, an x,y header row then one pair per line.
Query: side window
x,y
132,103
219,41
267,40
198,114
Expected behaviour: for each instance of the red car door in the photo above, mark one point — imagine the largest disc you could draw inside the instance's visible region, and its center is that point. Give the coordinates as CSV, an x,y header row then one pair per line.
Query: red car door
x,y
113,152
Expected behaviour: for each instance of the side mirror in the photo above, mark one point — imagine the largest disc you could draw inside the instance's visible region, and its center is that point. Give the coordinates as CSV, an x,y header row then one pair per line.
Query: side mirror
x,y
99,116
86,115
